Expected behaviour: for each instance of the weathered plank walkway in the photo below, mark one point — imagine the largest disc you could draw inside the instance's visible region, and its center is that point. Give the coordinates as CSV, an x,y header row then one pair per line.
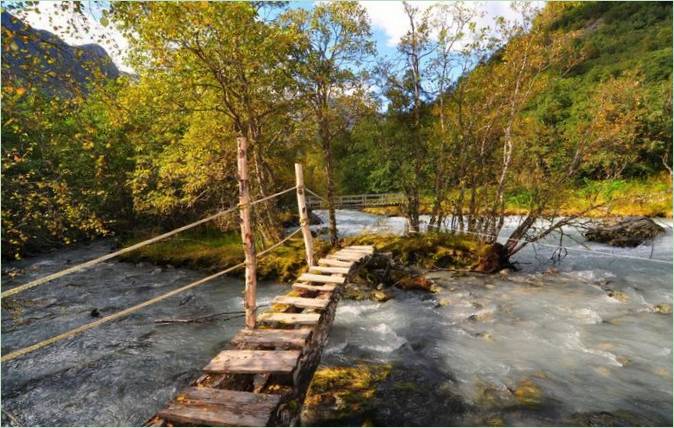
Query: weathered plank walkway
x,y
263,377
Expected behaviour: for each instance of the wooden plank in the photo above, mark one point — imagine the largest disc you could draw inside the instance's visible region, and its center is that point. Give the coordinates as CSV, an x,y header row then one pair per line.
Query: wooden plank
x,y
357,250
354,252
245,361
364,247
281,338
220,407
311,277
302,302
329,269
283,318
348,257
309,287
334,262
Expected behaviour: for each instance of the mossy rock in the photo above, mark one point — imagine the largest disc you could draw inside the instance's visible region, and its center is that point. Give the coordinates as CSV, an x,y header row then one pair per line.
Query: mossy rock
x,y
620,296
528,393
343,394
381,296
663,308
417,283
424,250
492,396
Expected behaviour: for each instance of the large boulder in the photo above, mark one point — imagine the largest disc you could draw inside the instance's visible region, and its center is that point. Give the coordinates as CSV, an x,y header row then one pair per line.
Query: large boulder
x,y
627,232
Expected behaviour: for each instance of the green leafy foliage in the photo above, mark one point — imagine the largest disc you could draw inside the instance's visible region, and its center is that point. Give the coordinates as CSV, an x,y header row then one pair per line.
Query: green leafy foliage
x,y
539,116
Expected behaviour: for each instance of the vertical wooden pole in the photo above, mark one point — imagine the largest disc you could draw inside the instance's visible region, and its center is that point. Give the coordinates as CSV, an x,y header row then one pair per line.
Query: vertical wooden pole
x,y
246,232
304,215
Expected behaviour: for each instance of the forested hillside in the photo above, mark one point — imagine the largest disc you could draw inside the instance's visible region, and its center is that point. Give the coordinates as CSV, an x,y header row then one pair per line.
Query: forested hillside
x,y
616,40
568,104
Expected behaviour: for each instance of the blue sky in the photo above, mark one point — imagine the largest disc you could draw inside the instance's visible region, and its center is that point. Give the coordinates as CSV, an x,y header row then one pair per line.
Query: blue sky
x,y
387,17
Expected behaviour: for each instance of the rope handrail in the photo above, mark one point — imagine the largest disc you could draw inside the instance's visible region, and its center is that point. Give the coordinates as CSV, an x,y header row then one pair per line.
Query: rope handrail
x,y
311,192
131,248
135,308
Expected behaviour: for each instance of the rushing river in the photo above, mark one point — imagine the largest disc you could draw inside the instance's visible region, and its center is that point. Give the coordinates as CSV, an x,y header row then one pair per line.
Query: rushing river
x,y
120,373
527,349
576,342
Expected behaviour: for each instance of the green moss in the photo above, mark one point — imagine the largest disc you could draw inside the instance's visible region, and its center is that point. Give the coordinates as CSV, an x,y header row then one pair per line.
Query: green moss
x,y
528,393
425,250
199,248
337,393
664,308
213,250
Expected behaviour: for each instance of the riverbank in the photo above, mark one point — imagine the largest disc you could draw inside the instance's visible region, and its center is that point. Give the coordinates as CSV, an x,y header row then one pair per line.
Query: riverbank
x,y
214,250
620,198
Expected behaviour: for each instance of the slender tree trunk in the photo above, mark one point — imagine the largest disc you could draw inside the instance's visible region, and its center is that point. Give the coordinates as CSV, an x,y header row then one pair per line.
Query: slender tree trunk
x,y
330,171
326,144
440,179
265,211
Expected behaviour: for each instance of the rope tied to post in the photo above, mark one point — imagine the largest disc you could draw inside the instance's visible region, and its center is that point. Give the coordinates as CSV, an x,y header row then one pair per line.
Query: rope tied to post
x,y
134,247
123,313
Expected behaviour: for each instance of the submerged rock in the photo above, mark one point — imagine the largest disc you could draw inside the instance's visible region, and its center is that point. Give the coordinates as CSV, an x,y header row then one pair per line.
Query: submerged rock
x,y
620,418
628,232
617,295
664,308
381,296
493,396
528,393
343,395
417,283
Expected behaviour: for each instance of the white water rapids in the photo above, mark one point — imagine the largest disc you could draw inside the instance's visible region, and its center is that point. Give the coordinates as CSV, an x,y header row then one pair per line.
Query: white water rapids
x,y
586,334
589,339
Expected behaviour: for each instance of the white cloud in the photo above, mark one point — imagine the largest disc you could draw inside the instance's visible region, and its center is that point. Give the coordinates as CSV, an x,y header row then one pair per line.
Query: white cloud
x,y
89,30
389,16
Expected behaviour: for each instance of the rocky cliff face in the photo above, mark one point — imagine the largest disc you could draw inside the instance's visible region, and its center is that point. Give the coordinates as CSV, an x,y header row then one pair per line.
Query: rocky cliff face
x,y
39,59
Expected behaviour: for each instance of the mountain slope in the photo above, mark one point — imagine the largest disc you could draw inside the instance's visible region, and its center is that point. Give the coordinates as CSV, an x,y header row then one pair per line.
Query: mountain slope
x,y
630,40
38,58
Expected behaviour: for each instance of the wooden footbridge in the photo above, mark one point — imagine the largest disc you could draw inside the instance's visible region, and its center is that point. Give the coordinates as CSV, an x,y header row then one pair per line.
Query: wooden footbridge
x,y
261,378
359,201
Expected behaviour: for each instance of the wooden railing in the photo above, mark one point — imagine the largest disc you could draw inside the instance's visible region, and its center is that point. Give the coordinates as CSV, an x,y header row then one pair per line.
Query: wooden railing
x,y
359,201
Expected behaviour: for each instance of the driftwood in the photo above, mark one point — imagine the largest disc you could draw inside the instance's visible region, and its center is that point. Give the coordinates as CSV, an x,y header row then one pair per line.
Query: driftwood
x,y
627,232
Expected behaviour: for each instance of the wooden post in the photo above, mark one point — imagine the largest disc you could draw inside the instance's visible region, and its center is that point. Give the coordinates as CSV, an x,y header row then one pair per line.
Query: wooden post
x,y
246,232
304,216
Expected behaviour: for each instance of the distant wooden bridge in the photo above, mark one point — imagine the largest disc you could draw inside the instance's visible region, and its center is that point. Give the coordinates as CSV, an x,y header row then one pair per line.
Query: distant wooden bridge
x,y
359,201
